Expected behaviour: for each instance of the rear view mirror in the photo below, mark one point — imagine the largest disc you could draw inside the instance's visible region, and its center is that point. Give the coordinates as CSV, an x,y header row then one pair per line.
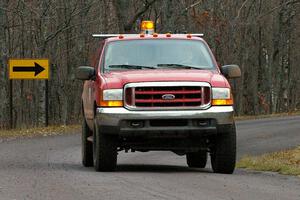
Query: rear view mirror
x,y
231,71
85,73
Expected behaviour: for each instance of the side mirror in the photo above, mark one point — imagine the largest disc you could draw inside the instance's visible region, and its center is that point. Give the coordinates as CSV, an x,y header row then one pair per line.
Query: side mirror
x,y
231,71
85,73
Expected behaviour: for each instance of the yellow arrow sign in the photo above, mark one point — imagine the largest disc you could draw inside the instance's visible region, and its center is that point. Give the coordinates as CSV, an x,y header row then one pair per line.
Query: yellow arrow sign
x,y
28,68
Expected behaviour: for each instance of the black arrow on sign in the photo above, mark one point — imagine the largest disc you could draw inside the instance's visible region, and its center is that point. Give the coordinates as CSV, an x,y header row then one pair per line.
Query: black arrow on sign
x,y
36,69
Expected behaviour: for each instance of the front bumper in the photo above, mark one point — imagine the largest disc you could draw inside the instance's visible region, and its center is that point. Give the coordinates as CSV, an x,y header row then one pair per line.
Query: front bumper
x,y
117,120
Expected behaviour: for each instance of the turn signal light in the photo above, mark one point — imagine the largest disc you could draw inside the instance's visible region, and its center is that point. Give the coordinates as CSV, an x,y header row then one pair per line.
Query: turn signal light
x,y
222,102
111,103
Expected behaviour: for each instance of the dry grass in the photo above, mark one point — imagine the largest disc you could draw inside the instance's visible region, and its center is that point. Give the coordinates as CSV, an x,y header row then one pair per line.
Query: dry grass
x,y
40,131
284,162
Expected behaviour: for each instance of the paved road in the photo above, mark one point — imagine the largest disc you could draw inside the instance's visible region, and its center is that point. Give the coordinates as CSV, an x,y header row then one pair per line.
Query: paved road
x,y
49,168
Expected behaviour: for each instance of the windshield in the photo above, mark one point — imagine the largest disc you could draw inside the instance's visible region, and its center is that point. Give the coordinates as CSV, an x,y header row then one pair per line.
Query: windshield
x,y
157,54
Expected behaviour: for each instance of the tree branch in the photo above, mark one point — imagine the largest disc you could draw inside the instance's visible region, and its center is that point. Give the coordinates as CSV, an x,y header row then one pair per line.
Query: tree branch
x,y
278,7
240,10
193,5
129,25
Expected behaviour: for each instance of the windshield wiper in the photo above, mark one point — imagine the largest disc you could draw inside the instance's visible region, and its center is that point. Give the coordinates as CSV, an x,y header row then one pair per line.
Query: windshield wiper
x,y
182,66
125,66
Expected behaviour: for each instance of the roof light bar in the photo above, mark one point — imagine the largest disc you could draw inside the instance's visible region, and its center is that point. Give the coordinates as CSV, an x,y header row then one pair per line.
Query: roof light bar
x,y
112,35
104,36
191,34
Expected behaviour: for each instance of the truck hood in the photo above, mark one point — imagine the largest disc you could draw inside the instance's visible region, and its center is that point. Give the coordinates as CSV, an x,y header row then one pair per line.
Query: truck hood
x,y
117,79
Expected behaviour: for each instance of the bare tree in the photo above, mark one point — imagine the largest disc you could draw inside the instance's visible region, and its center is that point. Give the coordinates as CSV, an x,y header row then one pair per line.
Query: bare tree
x,y
261,36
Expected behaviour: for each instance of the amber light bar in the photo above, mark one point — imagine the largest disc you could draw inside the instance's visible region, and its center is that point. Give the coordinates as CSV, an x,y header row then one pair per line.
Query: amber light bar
x,y
147,27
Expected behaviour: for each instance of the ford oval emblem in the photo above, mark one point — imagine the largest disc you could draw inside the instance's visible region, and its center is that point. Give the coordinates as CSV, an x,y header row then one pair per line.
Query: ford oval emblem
x,y
168,96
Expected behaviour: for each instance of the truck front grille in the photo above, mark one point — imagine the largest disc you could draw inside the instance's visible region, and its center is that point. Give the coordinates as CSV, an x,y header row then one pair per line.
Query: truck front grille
x,y
166,95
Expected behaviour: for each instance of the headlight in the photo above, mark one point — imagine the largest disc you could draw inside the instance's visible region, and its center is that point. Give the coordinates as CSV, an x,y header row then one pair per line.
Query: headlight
x,y
221,96
221,93
113,94
112,98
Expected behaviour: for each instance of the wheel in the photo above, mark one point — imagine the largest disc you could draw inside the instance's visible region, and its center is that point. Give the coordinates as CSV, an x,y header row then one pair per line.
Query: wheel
x,y
196,159
105,151
86,146
223,153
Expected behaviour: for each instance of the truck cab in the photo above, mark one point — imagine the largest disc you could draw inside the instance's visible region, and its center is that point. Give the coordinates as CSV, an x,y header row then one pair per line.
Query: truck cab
x,y
157,92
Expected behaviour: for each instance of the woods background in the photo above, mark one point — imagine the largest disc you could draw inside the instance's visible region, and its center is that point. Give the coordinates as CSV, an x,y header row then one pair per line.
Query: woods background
x,y
261,36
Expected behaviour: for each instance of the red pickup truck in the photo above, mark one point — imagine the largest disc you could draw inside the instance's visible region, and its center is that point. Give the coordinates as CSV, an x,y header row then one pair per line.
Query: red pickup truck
x,y
158,92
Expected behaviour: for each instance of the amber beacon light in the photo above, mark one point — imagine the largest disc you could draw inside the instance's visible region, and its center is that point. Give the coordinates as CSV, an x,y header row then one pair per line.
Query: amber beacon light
x,y
147,27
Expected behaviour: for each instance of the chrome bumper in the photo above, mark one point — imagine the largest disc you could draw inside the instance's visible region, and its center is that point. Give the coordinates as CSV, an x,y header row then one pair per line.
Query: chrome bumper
x,y
112,117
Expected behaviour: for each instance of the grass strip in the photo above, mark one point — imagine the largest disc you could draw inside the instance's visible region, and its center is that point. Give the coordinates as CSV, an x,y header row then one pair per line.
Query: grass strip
x,y
39,131
285,162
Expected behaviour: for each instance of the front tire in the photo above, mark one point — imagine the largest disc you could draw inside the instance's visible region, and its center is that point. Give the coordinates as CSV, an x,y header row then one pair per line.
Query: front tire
x,y
105,151
223,152
86,146
196,159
